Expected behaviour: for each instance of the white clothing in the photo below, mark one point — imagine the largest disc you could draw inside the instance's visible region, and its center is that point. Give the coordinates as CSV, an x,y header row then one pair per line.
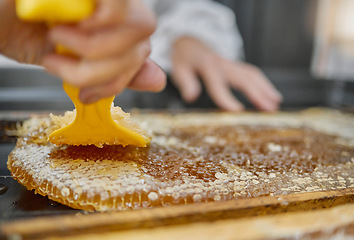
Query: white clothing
x,y
206,20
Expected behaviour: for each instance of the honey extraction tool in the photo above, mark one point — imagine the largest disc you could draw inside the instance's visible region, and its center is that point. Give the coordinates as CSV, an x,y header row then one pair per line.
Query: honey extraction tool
x,y
93,124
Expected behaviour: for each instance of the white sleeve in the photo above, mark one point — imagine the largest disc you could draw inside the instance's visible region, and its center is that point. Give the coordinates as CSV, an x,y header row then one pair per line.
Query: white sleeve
x,y
6,62
206,20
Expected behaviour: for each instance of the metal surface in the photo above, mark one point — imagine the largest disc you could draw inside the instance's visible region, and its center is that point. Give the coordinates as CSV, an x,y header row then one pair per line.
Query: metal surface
x,y
16,202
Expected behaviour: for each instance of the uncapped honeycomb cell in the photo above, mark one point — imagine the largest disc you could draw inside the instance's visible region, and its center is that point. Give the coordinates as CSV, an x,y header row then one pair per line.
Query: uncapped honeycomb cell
x,y
186,164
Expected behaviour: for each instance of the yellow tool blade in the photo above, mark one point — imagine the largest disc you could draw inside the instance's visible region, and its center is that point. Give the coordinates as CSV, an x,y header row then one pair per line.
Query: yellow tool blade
x,y
93,124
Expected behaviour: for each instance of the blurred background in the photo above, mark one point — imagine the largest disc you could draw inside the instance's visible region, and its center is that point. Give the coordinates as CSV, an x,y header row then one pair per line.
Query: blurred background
x,y
305,47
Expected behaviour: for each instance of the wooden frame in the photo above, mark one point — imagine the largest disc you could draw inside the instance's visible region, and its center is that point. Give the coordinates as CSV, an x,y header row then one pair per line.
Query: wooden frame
x,y
71,225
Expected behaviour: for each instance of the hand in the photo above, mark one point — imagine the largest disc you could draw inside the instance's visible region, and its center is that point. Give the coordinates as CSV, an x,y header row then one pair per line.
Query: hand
x,y
111,48
192,59
24,42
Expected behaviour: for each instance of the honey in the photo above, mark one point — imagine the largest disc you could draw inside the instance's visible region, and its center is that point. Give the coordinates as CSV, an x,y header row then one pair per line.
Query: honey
x,y
302,150
187,163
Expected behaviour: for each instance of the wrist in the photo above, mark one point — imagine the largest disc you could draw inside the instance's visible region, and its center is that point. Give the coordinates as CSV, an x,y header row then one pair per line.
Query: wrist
x,y
7,17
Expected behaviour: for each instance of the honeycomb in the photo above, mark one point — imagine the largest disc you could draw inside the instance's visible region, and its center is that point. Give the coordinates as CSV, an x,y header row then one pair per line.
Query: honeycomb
x,y
193,158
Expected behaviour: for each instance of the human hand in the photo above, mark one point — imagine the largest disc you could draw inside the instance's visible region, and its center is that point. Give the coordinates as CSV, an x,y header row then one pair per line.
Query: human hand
x,y
22,41
111,48
192,59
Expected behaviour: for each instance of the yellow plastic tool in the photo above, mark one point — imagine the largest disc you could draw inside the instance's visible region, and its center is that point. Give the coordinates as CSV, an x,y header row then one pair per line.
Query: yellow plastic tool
x,y
93,124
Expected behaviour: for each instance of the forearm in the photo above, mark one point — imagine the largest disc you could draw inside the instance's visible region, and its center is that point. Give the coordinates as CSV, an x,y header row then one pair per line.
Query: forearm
x,y
24,42
7,17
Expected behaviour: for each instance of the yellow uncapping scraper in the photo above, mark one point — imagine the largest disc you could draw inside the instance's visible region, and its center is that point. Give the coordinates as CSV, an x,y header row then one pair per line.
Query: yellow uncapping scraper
x,y
93,124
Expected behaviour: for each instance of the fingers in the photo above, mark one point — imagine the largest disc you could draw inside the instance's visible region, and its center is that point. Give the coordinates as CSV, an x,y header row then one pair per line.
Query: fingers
x,y
149,78
103,43
111,48
109,31
218,88
263,83
85,73
115,86
107,12
253,83
186,81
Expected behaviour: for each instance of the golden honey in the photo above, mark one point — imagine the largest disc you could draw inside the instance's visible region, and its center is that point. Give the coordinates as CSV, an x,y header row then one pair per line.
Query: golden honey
x,y
187,163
